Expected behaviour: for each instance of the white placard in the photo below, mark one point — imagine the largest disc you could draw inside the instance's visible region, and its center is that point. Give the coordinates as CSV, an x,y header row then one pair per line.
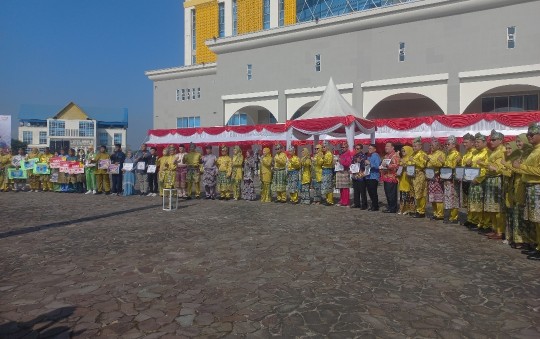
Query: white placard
x,y
386,162
151,169
460,172
141,165
128,166
470,173
411,170
355,168
399,170
367,171
338,167
446,173
430,173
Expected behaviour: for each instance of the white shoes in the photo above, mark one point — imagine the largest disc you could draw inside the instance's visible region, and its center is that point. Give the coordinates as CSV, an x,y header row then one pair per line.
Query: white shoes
x,y
89,191
149,194
94,192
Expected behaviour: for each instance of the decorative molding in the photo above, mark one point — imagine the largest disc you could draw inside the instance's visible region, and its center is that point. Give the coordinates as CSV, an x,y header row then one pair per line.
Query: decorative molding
x,y
500,71
249,95
406,81
319,89
192,3
182,72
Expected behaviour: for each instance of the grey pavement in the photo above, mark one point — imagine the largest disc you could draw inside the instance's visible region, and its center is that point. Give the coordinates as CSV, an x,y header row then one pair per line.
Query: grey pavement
x,y
88,266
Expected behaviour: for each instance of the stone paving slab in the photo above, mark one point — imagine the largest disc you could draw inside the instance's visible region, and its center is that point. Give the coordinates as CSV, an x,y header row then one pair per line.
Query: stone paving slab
x,y
87,266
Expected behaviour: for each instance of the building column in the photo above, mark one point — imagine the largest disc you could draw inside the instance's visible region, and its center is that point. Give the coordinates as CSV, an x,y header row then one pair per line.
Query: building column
x,y
282,107
228,17
274,13
453,94
358,99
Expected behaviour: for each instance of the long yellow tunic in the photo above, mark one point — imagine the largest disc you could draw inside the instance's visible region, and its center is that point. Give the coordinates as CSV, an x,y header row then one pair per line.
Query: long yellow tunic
x,y
306,170
404,181
530,168
224,164
452,159
294,163
266,169
467,157
479,160
280,161
418,159
237,167
328,160
193,159
495,159
101,156
436,160
317,166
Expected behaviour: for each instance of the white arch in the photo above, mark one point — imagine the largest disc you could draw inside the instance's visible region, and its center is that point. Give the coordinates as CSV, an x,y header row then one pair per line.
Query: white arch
x,y
233,106
437,92
473,87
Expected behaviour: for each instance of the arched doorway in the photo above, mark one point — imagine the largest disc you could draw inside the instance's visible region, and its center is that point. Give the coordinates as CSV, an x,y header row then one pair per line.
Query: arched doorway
x,y
404,105
509,98
251,115
306,107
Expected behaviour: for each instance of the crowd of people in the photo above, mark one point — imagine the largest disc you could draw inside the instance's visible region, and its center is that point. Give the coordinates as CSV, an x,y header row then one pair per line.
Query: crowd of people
x,y
497,182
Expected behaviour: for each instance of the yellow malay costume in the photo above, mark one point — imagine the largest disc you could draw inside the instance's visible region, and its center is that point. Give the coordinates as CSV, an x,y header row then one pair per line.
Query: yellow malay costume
x,y
279,175
406,192
419,160
476,190
237,172
293,175
493,194
33,179
435,186
266,175
160,168
102,175
193,177
224,165
317,163
451,186
305,173
327,182
5,162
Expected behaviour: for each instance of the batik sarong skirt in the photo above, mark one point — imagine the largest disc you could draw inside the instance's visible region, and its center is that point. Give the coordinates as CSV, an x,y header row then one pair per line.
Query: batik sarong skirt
x,y
343,179
419,185
524,231
532,203
476,198
223,182
293,181
451,194
493,197
209,177
435,190
193,174
279,180
304,194
181,174
327,183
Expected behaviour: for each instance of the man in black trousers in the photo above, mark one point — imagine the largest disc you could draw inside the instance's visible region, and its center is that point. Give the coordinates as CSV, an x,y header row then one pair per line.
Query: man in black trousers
x,y
118,157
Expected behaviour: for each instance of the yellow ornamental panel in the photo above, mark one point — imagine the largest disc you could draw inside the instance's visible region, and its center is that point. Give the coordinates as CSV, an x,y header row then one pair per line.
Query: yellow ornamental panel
x,y
250,16
206,26
290,12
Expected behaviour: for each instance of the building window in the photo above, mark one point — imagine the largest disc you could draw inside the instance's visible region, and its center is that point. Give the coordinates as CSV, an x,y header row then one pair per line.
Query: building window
x,y
183,94
188,122
238,119
188,94
234,18
401,51
266,14
249,71
86,128
221,19
42,138
117,138
57,128
198,93
511,37
103,138
193,38
317,62
27,137
281,13
193,94
512,103
177,95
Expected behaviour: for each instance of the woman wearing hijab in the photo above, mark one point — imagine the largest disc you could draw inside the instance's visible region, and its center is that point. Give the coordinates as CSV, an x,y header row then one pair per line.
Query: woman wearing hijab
x,y
33,179
250,166
224,164
305,173
406,193
237,169
451,186
161,169
266,175
293,171
128,180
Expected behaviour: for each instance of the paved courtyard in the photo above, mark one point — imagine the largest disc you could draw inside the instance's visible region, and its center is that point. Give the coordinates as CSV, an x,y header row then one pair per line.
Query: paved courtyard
x,y
88,266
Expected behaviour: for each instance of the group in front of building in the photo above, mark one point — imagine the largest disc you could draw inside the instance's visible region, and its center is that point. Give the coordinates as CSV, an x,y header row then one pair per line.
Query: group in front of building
x,y
497,182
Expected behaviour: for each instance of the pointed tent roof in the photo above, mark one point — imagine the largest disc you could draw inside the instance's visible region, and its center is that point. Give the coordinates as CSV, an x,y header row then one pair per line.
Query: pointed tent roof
x,y
330,115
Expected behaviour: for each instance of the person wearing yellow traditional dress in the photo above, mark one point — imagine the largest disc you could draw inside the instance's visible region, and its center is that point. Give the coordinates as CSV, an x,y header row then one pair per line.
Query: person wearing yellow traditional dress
x,y
305,173
224,164
419,160
237,172
316,176
451,185
493,194
530,168
293,175
466,161
33,179
279,175
476,190
266,175
181,169
169,168
406,192
44,158
327,183
160,169
435,186
5,162
510,155
193,177
102,176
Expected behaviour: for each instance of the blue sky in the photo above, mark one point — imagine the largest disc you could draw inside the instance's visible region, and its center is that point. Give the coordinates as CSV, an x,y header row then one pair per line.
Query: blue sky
x,y
92,52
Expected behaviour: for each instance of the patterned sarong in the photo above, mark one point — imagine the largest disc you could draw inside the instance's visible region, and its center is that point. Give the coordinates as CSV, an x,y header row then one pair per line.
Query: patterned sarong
x,y
493,194
209,177
524,231
168,178
293,181
451,194
343,179
193,174
476,198
304,194
532,203
327,183
435,190
279,180
316,191
181,173
419,185
223,182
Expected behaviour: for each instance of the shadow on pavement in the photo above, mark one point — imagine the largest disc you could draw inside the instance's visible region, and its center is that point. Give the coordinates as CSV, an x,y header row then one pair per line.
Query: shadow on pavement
x,y
43,326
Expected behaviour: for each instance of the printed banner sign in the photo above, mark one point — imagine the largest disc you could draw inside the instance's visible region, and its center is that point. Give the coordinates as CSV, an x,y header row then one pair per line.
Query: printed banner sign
x,y
41,168
128,166
151,169
104,164
55,162
114,168
29,164
16,173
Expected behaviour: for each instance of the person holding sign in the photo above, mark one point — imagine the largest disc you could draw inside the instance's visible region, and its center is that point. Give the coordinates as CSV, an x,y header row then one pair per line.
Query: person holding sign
x,y
151,171
293,178
451,186
435,187
17,163
530,169
140,163
406,192
372,176
327,183
343,177
102,160
90,171
388,168
419,160
305,174
266,175
33,179
476,190
237,172
44,158
193,174
117,158
466,161
493,196
224,164
128,175
316,176
358,181
279,175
